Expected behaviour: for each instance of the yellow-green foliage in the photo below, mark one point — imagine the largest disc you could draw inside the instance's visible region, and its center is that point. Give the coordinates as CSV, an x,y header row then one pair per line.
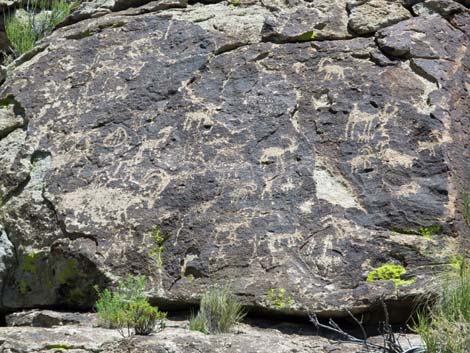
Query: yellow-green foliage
x,y
58,346
219,311
429,231
391,272
277,298
426,231
37,21
444,324
307,36
157,247
29,262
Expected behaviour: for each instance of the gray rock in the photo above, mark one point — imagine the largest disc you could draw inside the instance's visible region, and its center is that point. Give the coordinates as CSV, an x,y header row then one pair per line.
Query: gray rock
x,y
373,15
48,318
6,255
445,8
176,338
9,121
267,162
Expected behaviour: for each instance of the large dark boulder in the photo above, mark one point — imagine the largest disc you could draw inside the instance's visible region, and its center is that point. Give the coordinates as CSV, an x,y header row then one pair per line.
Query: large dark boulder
x,y
268,159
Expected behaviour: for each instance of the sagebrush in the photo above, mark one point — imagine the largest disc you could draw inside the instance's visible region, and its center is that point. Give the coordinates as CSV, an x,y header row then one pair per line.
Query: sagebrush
x,y
219,311
127,309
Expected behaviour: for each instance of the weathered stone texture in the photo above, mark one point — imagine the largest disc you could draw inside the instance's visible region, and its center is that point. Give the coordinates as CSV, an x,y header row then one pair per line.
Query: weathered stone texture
x,y
255,337
268,159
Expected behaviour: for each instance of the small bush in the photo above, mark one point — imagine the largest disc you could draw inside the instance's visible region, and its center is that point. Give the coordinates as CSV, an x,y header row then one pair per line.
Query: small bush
x,y
277,298
145,317
444,324
127,308
389,272
219,312
25,27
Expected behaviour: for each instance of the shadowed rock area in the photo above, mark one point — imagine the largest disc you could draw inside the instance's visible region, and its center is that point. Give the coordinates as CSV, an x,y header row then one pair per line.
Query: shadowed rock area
x,y
283,144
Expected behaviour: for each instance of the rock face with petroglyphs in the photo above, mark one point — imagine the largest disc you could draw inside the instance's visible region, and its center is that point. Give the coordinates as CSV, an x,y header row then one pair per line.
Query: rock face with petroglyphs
x,y
295,145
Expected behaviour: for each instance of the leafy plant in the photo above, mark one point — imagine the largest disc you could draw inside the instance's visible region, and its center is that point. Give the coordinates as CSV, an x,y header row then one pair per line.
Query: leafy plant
x,y
392,272
145,317
444,322
39,18
126,308
219,312
277,298
156,250
429,231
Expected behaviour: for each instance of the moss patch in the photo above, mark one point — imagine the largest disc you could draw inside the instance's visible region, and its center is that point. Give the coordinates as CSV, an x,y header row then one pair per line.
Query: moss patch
x,y
69,271
389,272
24,288
76,296
429,231
307,36
426,231
58,346
30,262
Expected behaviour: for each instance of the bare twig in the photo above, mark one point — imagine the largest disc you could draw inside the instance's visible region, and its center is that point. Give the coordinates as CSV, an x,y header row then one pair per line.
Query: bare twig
x,y
391,341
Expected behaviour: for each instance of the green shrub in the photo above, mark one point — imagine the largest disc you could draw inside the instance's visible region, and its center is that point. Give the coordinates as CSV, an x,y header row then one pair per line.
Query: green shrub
x,y
389,272
126,308
145,317
25,27
219,312
444,323
277,298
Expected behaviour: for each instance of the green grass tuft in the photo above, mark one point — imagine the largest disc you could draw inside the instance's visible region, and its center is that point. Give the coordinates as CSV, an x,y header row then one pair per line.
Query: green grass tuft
x,y
444,323
219,312
25,27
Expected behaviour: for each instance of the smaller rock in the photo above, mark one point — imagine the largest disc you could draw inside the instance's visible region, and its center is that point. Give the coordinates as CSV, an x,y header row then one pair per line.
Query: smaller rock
x,y
376,14
9,121
48,318
445,8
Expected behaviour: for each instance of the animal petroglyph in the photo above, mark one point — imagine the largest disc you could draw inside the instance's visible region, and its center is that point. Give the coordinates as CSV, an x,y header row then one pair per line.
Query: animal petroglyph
x,y
362,126
331,71
116,138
